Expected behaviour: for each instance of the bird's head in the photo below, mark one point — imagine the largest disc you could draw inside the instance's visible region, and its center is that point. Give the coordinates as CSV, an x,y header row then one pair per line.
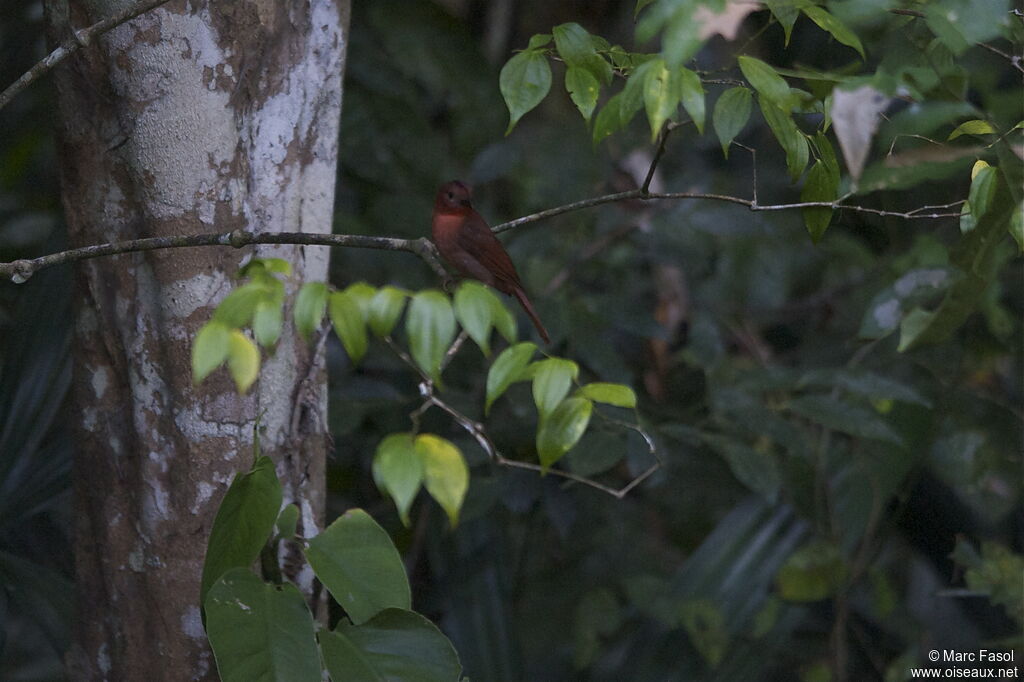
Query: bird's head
x,y
453,197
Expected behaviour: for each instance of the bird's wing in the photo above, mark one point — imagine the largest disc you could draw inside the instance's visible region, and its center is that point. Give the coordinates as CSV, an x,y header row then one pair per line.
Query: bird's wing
x,y
476,238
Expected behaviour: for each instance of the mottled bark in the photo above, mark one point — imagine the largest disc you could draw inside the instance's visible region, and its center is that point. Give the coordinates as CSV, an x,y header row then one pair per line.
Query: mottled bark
x,y
199,116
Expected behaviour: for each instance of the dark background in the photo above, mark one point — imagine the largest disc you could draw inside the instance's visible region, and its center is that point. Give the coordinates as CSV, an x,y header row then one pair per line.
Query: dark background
x,y
717,316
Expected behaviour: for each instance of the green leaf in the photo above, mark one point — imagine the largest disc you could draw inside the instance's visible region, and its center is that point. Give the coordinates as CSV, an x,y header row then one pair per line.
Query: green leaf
x,y
363,294
310,305
552,379
732,110
445,474
504,321
789,136
210,349
640,4
770,85
812,573
398,470
539,40
288,521
706,627
238,307
661,95
973,257
609,119
620,109
828,22
385,308
358,564
562,429
827,155
786,13
394,646
577,49
755,469
524,81
245,519
267,322
430,325
820,185
692,96
1017,227
474,309
243,360
347,320
962,23
845,417
259,265
887,308
982,193
975,127
259,631
583,88
863,383
610,394
507,369
996,573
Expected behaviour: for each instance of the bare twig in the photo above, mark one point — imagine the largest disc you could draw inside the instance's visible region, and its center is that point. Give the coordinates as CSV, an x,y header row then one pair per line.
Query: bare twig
x,y
21,270
78,40
666,129
907,12
1014,60
483,439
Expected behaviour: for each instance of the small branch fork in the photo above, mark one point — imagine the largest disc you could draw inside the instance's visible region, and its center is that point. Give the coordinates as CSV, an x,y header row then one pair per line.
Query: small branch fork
x,y
483,439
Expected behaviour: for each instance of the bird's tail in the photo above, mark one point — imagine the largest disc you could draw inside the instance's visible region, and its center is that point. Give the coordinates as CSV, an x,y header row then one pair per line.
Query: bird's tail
x,y
528,307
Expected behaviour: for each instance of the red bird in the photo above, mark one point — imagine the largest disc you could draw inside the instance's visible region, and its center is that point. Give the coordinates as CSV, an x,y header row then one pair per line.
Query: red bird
x,y
467,243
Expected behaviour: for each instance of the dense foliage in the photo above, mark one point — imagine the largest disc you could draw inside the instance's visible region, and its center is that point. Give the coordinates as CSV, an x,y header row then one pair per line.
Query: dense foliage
x,y
835,394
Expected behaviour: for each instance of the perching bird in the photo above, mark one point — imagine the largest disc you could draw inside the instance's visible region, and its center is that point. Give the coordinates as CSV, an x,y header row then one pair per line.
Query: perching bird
x,y
465,240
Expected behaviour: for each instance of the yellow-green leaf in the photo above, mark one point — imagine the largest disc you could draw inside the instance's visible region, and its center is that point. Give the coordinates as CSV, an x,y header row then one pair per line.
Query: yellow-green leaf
x,y
445,474
474,309
840,31
267,322
691,93
310,305
975,127
398,470
243,360
507,369
732,110
430,325
552,379
618,395
562,429
385,309
770,85
347,319
210,349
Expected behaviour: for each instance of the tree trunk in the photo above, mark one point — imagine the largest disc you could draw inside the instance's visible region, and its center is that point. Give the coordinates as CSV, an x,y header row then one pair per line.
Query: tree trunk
x,y
199,116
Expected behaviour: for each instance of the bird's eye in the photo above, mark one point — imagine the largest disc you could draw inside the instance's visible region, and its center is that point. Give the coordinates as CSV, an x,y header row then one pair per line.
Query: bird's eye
x,y
450,195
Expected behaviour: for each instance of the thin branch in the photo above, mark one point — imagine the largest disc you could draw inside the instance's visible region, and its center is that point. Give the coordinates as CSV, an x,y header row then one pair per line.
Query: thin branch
x,y
662,140
20,270
907,13
1014,60
78,40
480,435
